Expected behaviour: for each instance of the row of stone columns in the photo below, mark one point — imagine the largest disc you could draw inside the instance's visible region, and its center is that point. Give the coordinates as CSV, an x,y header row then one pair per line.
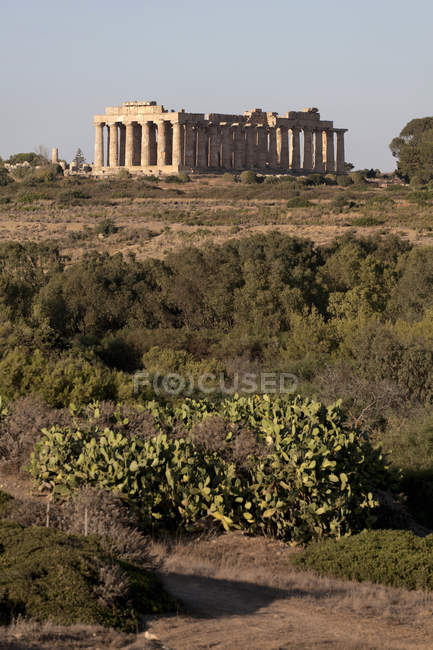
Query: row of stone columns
x,y
226,146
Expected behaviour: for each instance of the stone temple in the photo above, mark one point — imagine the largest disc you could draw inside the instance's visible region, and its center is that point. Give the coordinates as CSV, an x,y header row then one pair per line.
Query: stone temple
x,y
144,137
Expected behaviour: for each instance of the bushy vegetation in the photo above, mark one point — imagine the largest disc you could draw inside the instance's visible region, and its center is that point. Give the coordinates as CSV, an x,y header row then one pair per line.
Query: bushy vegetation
x,y
413,149
290,468
48,575
391,557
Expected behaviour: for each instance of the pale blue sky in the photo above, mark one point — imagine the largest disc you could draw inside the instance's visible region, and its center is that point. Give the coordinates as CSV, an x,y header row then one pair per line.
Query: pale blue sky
x,y
368,65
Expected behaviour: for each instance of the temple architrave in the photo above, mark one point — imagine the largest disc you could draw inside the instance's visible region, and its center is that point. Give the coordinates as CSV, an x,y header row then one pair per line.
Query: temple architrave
x,y
144,137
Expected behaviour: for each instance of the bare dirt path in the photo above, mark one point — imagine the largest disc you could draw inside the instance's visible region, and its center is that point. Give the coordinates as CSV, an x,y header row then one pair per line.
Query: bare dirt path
x,y
226,611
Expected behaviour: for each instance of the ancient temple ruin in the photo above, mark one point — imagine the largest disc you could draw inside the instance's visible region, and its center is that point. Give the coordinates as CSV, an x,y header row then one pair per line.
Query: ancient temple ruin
x,y
144,137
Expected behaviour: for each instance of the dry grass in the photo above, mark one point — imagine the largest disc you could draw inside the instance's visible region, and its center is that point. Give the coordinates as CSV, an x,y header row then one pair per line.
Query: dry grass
x,y
263,561
208,210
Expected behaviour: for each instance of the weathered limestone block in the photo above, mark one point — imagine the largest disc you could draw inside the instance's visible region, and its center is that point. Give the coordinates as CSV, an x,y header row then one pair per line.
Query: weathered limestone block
x,y
99,145
136,150
238,147
145,144
308,150
214,147
250,146
122,143
177,145
162,144
227,147
318,152
295,149
282,147
328,150
262,147
340,163
189,146
202,147
272,155
113,142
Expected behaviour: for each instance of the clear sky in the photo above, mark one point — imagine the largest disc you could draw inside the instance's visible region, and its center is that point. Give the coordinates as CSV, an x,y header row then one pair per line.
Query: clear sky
x,y
367,65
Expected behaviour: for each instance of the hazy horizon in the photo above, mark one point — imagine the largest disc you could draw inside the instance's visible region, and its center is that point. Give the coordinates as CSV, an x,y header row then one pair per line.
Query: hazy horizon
x,y
364,66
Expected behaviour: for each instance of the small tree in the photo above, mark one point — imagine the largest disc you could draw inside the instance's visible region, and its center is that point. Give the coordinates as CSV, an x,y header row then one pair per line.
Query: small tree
x,y
79,158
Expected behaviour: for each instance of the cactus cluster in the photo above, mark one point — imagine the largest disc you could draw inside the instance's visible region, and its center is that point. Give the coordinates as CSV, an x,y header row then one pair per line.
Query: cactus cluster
x,y
312,477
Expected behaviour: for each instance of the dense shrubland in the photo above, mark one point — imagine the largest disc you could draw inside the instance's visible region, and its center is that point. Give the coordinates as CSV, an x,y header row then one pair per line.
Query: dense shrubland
x,y
351,320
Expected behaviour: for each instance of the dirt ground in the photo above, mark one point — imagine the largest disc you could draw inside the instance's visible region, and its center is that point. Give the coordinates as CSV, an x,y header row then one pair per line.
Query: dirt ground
x,y
240,592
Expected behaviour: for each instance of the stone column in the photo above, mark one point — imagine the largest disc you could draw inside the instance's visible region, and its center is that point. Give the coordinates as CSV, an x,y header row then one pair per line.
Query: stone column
x,y
328,150
107,152
129,144
272,159
308,150
162,143
282,147
340,151
250,146
295,149
145,144
176,160
153,146
238,147
189,146
114,148
227,147
122,143
99,145
202,153
214,147
262,147
318,152
136,153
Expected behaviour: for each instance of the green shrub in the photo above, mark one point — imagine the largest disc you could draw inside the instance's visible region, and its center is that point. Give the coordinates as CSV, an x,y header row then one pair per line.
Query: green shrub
x,y
72,197
182,177
330,179
249,177
47,575
390,557
307,475
358,177
5,498
298,202
227,176
344,180
5,178
106,227
366,221
316,179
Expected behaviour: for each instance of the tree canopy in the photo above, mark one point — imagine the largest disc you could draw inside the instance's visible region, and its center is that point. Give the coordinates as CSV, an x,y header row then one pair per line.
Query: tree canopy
x,y
413,149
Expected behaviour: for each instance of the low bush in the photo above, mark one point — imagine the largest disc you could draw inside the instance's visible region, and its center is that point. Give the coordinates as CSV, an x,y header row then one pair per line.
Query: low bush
x,y
366,221
298,202
397,558
106,227
48,575
344,180
5,178
72,197
249,177
182,177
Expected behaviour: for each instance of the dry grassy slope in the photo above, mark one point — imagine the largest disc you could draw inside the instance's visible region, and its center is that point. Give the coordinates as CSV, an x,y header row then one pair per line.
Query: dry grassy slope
x,y
151,227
